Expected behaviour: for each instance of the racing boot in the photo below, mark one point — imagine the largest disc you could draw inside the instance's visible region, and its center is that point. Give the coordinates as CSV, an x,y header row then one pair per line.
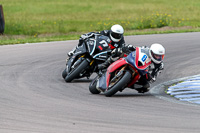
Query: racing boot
x,y
144,88
71,53
105,64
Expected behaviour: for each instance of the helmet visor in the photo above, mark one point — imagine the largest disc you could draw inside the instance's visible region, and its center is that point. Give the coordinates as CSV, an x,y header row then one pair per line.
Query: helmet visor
x,y
116,35
157,57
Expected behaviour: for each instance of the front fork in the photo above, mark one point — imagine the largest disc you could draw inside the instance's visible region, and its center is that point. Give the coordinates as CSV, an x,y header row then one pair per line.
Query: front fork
x,y
135,76
119,73
72,65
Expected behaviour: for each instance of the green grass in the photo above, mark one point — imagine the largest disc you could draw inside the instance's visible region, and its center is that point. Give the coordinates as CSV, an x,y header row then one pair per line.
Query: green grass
x,y
49,20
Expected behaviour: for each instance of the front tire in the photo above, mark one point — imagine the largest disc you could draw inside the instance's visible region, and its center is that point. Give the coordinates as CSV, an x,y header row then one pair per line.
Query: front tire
x,y
64,74
119,84
74,73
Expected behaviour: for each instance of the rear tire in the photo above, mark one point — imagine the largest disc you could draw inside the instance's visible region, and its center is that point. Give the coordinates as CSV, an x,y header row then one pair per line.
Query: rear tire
x,y
121,83
76,71
92,86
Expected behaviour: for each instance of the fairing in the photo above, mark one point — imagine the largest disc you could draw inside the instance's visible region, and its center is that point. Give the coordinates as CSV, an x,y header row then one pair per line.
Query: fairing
x,y
81,50
103,82
134,58
99,47
113,67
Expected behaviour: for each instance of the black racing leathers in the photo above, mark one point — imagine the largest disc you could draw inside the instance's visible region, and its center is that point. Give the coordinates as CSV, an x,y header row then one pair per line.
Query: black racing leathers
x,y
114,44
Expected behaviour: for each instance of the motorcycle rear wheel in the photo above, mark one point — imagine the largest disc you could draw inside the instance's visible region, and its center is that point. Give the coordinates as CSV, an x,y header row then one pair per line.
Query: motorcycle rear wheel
x,y
74,73
92,86
119,84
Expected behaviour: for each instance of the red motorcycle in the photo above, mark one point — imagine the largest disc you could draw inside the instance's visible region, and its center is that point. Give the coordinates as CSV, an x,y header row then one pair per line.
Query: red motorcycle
x,y
123,73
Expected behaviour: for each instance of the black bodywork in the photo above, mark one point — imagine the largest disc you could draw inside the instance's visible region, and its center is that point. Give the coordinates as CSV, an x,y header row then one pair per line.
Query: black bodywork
x,y
94,50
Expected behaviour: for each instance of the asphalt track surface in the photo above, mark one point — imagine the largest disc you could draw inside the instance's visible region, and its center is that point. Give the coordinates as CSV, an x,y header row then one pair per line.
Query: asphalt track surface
x,y
35,99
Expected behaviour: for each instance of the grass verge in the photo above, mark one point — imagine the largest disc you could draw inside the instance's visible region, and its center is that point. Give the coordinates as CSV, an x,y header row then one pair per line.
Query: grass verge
x,y
50,20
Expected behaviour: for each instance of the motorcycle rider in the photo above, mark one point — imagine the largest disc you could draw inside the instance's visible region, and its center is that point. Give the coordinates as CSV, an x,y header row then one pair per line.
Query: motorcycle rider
x,y
115,34
156,52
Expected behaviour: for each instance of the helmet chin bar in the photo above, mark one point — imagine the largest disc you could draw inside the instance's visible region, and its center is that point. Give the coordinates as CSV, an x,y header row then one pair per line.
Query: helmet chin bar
x,y
153,58
113,39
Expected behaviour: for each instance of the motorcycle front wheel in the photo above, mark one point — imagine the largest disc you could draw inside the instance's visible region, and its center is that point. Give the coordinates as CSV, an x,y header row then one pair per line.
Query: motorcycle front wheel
x,y
75,72
119,83
64,74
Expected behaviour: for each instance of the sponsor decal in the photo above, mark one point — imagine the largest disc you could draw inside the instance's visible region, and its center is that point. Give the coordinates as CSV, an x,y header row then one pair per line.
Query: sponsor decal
x,y
100,47
91,42
144,58
104,43
116,45
102,56
108,40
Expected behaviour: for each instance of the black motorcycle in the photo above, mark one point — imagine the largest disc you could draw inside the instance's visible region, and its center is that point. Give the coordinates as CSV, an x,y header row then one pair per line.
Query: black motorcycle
x,y
87,56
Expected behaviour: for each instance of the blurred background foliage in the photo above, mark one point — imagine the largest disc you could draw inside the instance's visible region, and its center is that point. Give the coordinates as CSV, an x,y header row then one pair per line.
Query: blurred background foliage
x,y
40,18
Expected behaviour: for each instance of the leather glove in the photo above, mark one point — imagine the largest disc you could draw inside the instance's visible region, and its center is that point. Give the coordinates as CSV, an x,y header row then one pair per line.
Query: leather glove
x,y
161,66
125,50
131,47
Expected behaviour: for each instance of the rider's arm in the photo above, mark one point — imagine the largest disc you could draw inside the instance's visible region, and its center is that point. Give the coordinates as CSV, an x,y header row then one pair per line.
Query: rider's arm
x,y
158,68
121,42
127,48
87,35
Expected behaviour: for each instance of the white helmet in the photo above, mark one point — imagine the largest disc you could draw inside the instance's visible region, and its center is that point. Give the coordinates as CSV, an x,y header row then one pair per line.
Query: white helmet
x,y
116,33
157,53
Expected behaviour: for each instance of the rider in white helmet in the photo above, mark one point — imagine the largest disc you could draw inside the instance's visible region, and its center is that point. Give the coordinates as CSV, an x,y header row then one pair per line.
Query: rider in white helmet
x,y
115,34
117,44
156,52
